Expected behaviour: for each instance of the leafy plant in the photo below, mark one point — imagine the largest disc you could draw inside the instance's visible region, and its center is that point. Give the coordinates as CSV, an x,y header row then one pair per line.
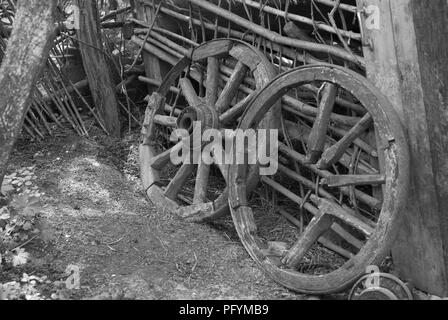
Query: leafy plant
x,y
21,223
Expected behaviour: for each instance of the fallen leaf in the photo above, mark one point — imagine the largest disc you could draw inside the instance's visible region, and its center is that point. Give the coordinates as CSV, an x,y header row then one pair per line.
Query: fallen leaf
x,y
4,213
20,257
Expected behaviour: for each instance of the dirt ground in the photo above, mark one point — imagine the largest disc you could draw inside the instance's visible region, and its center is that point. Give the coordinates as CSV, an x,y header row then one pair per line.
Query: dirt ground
x,y
103,224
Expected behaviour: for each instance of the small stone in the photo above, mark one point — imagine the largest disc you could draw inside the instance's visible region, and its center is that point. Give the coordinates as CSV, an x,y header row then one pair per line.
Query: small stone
x,y
28,183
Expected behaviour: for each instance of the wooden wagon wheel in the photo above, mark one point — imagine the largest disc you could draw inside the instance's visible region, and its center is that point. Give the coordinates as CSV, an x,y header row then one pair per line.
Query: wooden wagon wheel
x,y
342,180
212,86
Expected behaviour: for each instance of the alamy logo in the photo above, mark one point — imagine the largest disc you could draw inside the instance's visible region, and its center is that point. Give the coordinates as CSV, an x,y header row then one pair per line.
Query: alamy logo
x,y
226,147
373,21
73,282
373,279
72,21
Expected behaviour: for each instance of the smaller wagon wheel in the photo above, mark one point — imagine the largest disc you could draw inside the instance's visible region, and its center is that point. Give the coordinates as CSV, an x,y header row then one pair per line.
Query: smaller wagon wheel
x,y
211,86
342,180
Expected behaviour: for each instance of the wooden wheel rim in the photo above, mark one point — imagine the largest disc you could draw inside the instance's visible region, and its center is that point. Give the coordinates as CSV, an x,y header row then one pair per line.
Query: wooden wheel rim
x,y
263,71
396,171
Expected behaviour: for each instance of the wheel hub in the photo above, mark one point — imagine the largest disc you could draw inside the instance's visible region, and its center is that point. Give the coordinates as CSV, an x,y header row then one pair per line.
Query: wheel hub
x,y
202,115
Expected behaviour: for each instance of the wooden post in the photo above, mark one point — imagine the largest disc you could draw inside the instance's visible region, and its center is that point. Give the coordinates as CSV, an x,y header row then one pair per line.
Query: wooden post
x,y
152,63
407,58
96,66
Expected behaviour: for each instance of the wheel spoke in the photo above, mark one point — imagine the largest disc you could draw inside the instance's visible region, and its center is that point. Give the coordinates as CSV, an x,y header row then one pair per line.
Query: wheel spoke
x,y
334,153
202,177
311,185
211,86
318,135
365,198
304,181
354,180
315,229
231,87
301,133
166,121
179,180
189,92
327,243
236,111
336,210
159,161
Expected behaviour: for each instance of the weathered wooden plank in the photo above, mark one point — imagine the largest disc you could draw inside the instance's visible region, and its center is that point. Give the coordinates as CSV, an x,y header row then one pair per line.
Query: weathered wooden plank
x,y
408,63
318,135
97,69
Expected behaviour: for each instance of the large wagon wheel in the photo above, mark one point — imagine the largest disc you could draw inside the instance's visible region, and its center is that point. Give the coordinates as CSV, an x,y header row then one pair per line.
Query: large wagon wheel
x,y
212,86
342,180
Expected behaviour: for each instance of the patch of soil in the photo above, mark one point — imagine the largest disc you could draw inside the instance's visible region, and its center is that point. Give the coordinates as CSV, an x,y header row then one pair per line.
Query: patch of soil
x,y
123,246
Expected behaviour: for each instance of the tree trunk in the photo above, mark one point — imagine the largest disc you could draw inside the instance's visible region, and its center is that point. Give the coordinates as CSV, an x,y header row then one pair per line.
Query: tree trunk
x,y
25,57
96,67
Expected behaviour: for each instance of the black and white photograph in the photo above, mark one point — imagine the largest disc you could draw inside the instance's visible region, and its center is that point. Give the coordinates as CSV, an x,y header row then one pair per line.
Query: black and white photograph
x,y
223,158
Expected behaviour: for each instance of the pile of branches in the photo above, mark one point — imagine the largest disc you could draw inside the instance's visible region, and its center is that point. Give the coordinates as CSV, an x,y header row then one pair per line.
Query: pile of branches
x,y
57,101
291,32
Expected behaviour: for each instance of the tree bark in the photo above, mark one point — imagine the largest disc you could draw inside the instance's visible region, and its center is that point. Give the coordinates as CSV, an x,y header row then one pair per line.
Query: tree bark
x,y
25,57
96,66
